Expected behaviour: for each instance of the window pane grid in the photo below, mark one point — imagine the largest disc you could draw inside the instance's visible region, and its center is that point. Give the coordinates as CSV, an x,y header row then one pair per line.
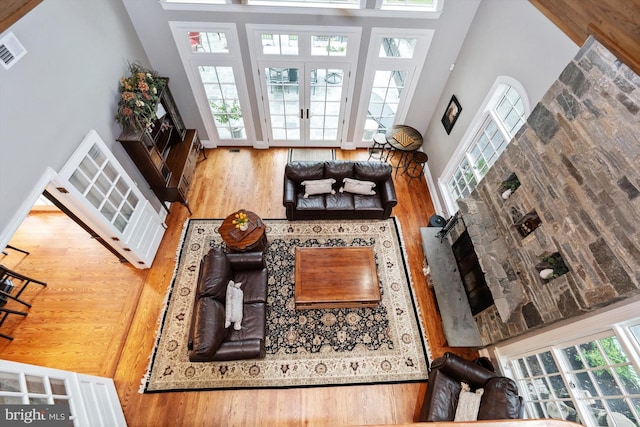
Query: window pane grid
x,y
208,42
224,101
329,45
393,47
384,100
99,182
504,120
595,378
279,44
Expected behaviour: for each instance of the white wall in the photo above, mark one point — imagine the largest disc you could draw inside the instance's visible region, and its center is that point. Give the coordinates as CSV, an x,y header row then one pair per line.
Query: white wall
x,y
507,37
64,86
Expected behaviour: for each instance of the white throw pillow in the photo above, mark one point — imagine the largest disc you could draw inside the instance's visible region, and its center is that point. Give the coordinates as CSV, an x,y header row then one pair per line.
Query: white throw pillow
x,y
468,404
233,306
358,187
318,186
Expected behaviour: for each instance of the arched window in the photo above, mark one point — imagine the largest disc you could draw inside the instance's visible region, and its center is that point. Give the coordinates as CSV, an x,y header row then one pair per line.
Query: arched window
x,y
502,115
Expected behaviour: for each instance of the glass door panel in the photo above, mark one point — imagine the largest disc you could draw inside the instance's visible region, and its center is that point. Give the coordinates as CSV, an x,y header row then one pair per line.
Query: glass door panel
x,y
384,100
284,103
305,104
224,102
326,104
97,180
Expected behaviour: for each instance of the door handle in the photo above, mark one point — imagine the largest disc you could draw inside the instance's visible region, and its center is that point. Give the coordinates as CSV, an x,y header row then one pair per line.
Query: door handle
x,y
301,113
307,113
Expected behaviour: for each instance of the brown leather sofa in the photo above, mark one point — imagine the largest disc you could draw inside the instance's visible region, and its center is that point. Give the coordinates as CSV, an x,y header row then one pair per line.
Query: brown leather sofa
x,y
209,339
499,401
340,205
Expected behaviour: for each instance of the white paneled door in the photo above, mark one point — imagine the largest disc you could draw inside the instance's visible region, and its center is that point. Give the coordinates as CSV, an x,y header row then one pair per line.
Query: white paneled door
x,y
96,188
61,397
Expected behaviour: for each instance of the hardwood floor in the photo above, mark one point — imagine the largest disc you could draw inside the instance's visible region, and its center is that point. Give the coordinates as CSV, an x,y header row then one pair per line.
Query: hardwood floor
x,y
99,317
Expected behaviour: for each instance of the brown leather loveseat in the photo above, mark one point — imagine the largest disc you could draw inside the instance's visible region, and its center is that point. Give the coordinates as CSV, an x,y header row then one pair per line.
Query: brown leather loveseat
x,y
209,339
333,203
499,401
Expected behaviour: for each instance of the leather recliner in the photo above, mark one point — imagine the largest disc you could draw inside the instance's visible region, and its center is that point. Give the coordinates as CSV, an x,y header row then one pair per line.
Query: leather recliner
x,y
209,339
500,399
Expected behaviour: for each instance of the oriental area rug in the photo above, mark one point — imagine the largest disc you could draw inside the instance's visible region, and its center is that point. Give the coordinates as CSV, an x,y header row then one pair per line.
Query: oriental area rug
x,y
315,347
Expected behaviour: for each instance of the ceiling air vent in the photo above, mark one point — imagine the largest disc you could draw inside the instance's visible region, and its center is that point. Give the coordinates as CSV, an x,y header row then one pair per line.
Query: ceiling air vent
x,y
10,50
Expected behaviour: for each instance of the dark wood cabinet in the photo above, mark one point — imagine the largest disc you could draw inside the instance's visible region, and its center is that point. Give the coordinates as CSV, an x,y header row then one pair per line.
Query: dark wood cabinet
x,y
166,154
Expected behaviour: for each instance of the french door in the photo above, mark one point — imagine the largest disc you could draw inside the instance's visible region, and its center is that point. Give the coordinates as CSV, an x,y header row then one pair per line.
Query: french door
x,y
96,188
57,398
304,102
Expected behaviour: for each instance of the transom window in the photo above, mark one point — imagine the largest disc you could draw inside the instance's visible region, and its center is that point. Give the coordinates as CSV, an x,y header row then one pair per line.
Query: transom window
x,y
504,115
279,44
322,6
208,42
408,4
392,47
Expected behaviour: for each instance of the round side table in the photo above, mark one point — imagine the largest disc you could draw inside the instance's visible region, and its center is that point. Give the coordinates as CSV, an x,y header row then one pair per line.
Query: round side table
x,y
254,239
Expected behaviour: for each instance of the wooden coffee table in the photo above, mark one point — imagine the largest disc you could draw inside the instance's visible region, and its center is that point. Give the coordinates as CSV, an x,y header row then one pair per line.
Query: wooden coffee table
x,y
252,240
336,278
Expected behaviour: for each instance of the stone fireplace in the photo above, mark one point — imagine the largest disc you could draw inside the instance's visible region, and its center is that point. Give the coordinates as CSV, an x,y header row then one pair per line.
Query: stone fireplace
x,y
577,160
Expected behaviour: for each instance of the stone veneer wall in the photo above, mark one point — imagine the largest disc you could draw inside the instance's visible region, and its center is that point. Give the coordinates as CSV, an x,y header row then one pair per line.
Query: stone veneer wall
x,y
578,161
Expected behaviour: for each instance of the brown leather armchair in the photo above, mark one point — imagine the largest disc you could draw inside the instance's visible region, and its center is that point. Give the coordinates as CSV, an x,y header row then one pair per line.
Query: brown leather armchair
x,y
500,399
209,339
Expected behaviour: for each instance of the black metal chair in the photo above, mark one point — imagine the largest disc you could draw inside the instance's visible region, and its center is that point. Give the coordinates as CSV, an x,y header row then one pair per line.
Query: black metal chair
x,y
12,276
10,281
6,312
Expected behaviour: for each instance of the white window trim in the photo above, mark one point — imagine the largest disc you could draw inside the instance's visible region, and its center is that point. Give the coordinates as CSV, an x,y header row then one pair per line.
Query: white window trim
x,y
192,60
227,6
374,63
304,54
470,134
613,320
567,333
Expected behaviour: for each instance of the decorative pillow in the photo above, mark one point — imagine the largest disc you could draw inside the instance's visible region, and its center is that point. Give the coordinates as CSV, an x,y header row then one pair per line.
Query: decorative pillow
x,y
318,186
233,307
358,187
468,404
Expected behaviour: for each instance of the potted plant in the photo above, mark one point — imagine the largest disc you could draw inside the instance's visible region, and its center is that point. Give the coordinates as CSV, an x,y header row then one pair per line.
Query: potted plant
x,y
552,266
509,185
228,114
139,98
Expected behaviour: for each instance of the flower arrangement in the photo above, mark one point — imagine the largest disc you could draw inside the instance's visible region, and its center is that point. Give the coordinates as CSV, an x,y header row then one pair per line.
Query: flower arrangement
x,y
241,221
139,98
